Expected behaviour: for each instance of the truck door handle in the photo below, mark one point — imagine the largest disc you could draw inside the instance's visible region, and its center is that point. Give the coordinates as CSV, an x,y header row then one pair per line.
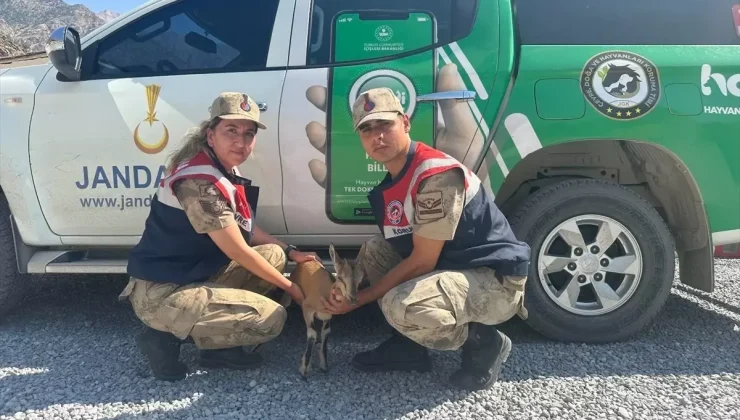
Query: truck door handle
x,y
459,95
262,106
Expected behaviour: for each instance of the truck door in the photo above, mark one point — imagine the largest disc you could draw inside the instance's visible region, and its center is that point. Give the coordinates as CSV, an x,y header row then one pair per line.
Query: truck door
x,y
425,50
98,146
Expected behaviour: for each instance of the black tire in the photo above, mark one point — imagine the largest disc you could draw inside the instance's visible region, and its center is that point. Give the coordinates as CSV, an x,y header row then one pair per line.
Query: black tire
x,y
12,283
536,216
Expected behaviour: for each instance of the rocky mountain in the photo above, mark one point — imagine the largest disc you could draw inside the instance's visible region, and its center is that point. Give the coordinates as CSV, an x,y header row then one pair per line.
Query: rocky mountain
x,y
8,46
107,15
28,23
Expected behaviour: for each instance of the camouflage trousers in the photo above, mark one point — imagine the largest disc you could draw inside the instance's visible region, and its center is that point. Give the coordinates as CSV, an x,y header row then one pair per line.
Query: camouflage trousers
x,y
228,310
434,309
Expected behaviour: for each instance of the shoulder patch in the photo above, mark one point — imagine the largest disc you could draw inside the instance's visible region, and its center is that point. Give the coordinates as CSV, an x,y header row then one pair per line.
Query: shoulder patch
x,y
208,190
429,205
213,207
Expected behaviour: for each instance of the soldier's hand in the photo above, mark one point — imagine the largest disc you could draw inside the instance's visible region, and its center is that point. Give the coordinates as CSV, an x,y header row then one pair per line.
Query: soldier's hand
x,y
301,257
337,304
296,293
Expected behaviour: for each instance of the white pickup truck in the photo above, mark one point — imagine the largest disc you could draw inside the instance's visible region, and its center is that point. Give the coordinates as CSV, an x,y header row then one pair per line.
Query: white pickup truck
x,y
609,150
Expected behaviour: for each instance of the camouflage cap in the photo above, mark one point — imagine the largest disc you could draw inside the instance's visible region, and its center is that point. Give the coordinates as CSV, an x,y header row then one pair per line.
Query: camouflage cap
x,y
236,106
376,104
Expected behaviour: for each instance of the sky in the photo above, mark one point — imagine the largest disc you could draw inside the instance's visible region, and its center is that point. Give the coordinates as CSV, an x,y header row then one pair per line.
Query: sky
x,y
119,6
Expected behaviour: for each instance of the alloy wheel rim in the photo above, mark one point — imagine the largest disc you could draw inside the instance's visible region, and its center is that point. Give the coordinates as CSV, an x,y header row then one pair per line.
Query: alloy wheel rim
x,y
590,265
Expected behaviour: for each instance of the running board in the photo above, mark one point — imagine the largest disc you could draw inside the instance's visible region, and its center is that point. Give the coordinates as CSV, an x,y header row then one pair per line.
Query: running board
x,y
115,262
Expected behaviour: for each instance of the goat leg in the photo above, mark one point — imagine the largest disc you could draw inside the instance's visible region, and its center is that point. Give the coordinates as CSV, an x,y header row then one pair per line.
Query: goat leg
x,y
323,336
310,342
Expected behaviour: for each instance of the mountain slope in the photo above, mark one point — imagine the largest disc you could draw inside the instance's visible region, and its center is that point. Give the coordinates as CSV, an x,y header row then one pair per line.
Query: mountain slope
x,y
107,15
8,46
32,21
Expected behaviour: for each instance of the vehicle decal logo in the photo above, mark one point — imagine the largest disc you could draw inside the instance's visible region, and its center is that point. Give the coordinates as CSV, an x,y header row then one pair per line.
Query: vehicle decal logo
x,y
621,85
725,84
713,84
384,33
152,94
394,212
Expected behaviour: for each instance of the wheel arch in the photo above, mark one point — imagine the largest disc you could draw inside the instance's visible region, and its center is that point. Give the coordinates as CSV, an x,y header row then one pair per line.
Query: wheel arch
x,y
23,252
652,171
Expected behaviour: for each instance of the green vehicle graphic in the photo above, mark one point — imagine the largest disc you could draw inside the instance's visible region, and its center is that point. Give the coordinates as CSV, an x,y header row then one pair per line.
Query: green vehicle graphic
x,y
611,151
362,36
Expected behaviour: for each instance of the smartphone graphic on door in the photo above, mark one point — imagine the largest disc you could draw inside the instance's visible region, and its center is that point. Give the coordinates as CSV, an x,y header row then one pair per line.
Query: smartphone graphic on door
x,y
365,35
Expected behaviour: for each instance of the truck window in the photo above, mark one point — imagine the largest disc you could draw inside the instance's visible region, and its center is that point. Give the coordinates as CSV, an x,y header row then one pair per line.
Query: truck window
x,y
190,36
628,22
455,20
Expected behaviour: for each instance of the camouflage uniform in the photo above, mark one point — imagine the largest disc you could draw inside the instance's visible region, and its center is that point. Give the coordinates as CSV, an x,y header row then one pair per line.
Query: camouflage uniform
x,y
227,311
434,309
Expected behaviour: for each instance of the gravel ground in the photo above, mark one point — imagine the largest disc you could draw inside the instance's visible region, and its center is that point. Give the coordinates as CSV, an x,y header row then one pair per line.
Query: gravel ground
x,y
69,353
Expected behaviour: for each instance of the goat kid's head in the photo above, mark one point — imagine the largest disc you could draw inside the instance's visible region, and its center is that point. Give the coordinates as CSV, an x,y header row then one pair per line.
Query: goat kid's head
x,y
349,274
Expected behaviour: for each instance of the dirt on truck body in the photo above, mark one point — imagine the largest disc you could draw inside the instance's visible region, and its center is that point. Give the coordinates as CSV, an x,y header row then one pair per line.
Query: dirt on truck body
x,y
23,60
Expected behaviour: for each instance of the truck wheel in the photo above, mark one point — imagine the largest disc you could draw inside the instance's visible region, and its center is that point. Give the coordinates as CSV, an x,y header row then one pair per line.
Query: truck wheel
x,y
602,261
12,283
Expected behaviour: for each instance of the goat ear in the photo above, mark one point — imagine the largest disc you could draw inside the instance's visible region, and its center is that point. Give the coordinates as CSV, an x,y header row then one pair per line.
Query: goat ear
x,y
358,272
332,253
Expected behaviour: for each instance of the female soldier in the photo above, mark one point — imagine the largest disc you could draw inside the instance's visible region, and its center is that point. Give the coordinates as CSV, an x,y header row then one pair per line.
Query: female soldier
x,y
202,268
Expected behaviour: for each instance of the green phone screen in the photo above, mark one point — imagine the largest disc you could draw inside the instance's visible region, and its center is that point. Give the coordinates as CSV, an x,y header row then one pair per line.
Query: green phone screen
x,y
366,35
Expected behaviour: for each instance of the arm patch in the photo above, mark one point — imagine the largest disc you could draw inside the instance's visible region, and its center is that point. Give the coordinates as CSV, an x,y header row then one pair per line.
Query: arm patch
x,y
208,190
213,207
429,205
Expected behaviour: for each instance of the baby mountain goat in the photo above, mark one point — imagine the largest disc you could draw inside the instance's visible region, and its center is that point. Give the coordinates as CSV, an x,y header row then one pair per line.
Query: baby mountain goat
x,y
316,282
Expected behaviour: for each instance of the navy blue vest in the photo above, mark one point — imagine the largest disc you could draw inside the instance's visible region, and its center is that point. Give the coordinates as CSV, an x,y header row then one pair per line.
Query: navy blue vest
x,y
170,250
483,236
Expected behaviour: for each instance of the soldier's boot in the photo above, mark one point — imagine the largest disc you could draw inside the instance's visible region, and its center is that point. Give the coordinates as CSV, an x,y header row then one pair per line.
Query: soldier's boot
x,y
162,351
230,358
398,353
483,355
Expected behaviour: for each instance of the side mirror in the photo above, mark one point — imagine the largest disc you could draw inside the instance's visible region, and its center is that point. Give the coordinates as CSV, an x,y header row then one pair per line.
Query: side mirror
x,y
65,51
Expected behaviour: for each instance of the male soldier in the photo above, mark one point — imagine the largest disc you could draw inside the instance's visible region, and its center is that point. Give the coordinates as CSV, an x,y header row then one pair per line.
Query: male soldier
x,y
446,267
